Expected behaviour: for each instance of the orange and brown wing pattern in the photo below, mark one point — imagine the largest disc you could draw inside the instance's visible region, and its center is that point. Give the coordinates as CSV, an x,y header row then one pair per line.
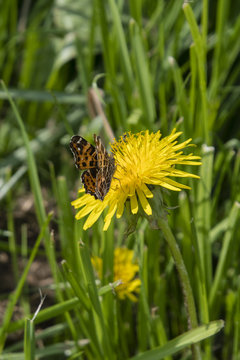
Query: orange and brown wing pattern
x,y
89,181
104,179
106,165
84,153
98,165
102,154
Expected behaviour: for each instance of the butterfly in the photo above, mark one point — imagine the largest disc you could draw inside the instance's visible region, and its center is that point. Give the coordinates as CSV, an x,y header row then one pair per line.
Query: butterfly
x,y
99,166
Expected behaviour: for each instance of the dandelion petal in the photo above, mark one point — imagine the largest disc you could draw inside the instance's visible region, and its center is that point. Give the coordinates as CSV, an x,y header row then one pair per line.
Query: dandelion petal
x,y
145,204
134,204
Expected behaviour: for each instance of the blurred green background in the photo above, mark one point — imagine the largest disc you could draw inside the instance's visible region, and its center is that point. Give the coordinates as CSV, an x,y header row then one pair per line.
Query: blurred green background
x,y
159,65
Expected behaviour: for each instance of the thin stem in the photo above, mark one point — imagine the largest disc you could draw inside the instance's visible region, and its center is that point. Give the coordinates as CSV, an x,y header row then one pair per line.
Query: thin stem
x,y
184,279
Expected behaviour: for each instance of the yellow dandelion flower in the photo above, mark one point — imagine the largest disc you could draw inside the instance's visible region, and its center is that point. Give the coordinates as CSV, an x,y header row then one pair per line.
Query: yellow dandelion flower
x,y
124,270
141,160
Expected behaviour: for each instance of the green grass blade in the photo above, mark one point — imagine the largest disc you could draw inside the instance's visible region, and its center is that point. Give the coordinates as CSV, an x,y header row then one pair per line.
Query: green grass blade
x,y
204,213
14,356
123,53
236,340
32,168
65,220
76,285
228,238
7,186
44,96
204,21
29,340
44,141
47,314
136,10
15,296
216,63
12,237
180,94
201,68
193,88
143,74
182,341
102,333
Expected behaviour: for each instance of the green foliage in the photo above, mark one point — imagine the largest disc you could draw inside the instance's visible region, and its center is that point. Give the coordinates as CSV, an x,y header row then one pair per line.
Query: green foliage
x,y
161,65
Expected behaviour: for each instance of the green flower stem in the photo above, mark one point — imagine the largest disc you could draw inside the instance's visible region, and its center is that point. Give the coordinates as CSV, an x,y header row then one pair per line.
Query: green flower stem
x,y
183,275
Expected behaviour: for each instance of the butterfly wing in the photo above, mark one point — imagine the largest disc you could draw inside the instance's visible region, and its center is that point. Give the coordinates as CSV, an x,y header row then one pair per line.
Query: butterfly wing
x,y
106,166
98,165
104,179
84,153
89,181
102,155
